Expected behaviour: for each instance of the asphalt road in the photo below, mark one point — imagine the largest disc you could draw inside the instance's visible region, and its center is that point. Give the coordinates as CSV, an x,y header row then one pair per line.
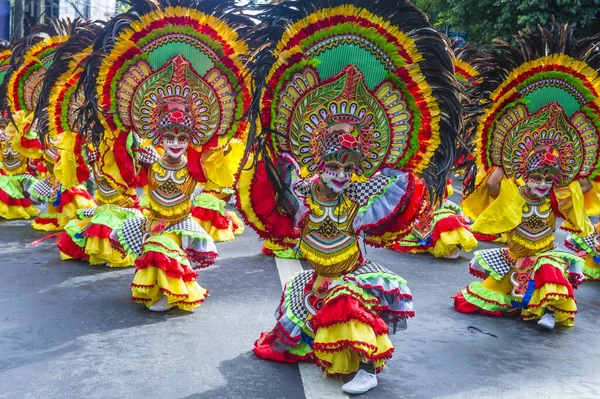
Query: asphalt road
x,y
71,330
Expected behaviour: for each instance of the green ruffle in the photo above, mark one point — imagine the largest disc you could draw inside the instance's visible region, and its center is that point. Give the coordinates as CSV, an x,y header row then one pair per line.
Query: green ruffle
x,y
208,201
302,349
580,241
11,186
167,247
111,216
445,211
190,234
592,273
72,229
288,253
409,241
362,295
369,276
493,300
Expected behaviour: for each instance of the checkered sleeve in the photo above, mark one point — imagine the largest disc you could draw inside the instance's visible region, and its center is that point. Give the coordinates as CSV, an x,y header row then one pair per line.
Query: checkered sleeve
x,y
362,192
146,155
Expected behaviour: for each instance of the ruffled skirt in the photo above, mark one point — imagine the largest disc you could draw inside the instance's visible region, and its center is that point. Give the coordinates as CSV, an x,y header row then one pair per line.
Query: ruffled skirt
x,y
449,233
587,248
209,212
89,237
62,208
281,248
527,287
166,259
13,202
338,322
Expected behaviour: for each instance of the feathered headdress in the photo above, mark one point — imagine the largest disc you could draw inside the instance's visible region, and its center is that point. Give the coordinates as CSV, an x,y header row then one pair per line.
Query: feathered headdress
x,y
159,54
30,60
542,93
5,54
70,54
467,77
377,62
60,98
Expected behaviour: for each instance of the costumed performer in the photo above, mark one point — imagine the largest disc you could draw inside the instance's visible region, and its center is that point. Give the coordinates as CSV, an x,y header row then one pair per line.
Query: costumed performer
x,y
537,149
156,98
347,109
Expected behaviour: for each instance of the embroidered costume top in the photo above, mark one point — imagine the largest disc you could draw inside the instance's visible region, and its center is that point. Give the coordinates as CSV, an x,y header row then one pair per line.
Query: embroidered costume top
x,y
330,227
13,163
169,190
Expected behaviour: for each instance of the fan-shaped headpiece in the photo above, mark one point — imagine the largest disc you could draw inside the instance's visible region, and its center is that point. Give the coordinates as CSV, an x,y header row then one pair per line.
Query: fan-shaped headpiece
x,y
547,95
388,74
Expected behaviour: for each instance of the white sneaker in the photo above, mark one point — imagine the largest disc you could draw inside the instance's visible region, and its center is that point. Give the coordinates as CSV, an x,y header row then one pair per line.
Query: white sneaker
x,y
547,321
361,383
454,254
162,305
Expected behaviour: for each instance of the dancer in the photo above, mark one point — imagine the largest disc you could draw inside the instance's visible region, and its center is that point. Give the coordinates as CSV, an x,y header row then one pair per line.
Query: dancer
x,y
16,172
157,127
330,165
28,135
537,148
86,237
442,232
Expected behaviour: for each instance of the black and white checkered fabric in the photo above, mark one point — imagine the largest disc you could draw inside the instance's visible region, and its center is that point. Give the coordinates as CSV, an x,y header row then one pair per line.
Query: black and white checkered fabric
x,y
302,188
296,297
133,232
86,212
187,224
589,241
146,155
370,267
361,192
43,190
496,260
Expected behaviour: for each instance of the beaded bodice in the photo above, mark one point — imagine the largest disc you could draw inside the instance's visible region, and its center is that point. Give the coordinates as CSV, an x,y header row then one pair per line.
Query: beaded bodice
x,y
169,190
535,233
328,240
13,163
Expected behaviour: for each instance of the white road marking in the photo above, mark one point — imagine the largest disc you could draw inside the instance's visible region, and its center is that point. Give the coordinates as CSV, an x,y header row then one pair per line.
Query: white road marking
x,y
316,386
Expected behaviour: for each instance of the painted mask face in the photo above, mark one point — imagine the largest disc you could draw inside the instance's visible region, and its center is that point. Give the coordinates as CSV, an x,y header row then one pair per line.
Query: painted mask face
x,y
337,176
539,185
175,145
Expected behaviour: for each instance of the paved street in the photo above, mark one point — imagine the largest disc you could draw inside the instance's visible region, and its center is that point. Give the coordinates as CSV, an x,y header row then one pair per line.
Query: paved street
x,y
70,330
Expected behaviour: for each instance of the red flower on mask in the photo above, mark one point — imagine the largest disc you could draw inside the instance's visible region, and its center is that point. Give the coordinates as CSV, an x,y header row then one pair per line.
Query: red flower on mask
x,y
348,141
176,117
549,159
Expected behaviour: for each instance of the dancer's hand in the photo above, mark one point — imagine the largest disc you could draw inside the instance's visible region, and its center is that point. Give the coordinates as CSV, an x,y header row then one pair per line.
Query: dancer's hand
x,y
586,185
493,183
